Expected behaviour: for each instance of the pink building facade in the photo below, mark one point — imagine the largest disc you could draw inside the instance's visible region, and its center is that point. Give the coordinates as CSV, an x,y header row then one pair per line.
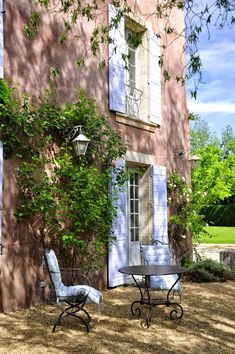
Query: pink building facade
x,y
150,114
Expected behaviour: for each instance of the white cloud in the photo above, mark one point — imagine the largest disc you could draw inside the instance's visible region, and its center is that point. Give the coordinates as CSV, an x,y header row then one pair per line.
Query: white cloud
x,y
218,56
215,102
211,107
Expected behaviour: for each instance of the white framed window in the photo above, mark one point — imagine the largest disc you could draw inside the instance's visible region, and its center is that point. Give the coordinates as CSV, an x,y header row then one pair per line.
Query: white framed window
x,y
134,70
131,59
134,95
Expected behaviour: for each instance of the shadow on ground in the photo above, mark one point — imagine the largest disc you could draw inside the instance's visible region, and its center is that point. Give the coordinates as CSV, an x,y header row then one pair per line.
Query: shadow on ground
x,y
208,326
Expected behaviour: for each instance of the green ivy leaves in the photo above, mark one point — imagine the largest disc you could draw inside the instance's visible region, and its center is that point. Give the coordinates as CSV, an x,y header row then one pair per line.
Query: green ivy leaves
x,y
68,196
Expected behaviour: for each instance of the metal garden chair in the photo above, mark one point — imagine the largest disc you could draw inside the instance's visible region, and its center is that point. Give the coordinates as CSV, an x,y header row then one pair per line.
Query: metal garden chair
x,y
74,297
158,253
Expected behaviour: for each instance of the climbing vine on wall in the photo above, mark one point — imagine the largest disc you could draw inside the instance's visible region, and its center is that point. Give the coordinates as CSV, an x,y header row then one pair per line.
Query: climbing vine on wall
x,y
185,220
67,195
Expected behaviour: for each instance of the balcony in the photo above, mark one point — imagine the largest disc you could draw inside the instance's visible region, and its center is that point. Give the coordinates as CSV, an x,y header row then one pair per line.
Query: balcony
x,y
133,100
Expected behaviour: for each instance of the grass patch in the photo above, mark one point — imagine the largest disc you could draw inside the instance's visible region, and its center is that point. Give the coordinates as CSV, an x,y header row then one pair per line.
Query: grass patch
x,y
219,234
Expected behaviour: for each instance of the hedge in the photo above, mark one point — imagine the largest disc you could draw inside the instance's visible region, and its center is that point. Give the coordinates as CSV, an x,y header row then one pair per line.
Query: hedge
x,y
219,215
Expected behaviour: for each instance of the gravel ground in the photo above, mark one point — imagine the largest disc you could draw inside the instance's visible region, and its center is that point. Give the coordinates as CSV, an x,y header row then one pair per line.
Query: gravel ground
x,y
208,326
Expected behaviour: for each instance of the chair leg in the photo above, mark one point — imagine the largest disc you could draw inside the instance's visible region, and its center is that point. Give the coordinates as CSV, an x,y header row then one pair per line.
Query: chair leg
x,y
72,310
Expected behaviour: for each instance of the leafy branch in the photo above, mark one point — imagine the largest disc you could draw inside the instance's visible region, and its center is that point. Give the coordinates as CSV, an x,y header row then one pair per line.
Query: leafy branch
x,y
198,19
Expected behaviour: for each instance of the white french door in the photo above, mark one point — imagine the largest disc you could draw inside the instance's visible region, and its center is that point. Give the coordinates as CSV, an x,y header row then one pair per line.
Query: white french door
x,y
134,217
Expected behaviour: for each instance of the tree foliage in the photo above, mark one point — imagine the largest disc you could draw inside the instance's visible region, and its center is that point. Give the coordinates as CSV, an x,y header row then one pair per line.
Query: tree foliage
x,y
214,175
201,136
66,197
185,220
199,17
228,141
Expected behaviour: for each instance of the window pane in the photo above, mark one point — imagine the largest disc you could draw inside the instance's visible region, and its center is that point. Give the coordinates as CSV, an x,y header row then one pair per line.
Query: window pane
x,y
136,179
137,237
136,206
131,192
132,235
131,63
131,206
132,221
136,192
131,178
132,86
132,57
136,220
132,73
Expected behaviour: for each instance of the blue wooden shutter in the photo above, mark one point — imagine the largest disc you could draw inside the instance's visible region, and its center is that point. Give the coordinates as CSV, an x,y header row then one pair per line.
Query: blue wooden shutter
x,y
1,178
116,64
154,78
117,256
1,40
159,181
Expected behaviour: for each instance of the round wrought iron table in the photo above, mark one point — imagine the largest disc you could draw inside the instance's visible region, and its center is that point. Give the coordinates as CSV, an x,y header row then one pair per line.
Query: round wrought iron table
x,y
153,270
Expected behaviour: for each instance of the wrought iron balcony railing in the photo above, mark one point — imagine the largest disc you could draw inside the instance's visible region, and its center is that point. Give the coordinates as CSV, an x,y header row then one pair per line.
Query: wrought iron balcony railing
x,y
133,100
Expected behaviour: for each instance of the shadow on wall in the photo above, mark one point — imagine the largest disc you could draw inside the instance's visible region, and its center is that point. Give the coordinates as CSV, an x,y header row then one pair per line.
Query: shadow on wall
x,y
27,64
28,61
21,270
178,130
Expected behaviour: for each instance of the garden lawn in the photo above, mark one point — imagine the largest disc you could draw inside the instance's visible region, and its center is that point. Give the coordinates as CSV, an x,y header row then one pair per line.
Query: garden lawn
x,y
219,235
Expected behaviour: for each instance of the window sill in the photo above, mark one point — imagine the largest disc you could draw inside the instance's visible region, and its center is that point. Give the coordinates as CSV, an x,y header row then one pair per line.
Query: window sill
x,y
134,122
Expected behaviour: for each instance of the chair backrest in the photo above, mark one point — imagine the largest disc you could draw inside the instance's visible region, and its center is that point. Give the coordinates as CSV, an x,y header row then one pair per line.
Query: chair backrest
x,y
80,293
156,254
159,254
53,269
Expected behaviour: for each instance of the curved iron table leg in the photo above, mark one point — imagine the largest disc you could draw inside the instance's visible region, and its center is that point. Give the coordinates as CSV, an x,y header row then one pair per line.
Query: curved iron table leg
x,y
176,313
178,308
136,311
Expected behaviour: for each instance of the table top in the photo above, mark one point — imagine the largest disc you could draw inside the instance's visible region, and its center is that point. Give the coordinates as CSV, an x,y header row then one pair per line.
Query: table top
x,y
152,269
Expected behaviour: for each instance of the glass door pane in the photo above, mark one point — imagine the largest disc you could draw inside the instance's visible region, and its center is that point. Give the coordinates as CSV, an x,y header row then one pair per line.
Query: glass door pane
x,y
134,206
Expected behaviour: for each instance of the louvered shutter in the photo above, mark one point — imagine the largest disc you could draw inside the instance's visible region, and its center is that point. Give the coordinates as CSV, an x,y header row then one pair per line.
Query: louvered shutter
x,y
1,40
116,64
117,256
1,178
159,181
154,78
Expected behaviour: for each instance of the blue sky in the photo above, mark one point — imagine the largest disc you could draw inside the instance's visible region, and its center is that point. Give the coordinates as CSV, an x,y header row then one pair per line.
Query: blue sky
x,y
215,102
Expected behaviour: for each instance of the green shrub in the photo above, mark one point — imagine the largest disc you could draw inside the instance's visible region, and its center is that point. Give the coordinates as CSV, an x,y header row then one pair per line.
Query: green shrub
x,y
186,262
208,270
219,215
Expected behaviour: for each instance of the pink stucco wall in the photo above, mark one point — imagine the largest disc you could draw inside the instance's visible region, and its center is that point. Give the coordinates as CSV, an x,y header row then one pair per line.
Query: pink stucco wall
x,y
27,63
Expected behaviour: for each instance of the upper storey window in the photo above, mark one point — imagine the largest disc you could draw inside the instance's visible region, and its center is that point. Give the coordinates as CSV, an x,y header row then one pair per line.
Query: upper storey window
x,y
134,71
133,92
